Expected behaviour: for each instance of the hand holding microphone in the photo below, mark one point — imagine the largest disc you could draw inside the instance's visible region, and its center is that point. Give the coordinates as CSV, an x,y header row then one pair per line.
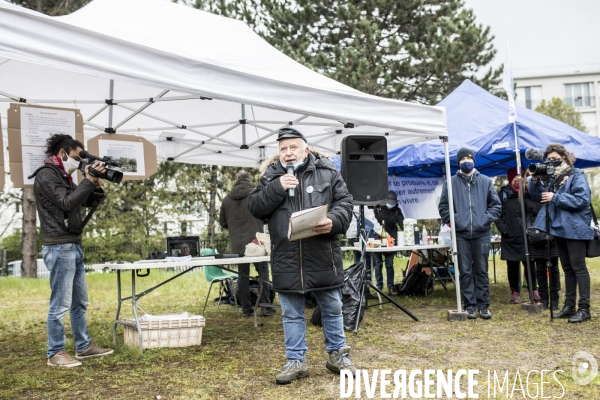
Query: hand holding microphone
x,y
289,181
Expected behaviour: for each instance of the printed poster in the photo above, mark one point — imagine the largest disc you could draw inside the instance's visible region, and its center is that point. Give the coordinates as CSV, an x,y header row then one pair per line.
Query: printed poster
x,y
129,154
418,198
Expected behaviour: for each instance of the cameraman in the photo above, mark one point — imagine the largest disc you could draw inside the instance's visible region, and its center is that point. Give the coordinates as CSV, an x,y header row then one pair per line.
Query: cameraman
x,y
569,212
58,202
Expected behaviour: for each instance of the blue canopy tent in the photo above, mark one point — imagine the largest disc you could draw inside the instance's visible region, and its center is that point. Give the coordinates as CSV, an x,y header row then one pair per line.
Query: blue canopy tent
x,y
479,120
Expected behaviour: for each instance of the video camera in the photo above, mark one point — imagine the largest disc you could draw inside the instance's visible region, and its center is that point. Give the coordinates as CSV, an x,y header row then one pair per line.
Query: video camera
x,y
111,175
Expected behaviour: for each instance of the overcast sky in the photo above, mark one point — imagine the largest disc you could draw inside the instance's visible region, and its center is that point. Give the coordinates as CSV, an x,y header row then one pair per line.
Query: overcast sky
x,y
544,35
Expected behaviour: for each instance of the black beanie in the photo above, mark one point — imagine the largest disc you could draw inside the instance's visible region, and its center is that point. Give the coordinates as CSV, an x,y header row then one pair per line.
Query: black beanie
x,y
464,152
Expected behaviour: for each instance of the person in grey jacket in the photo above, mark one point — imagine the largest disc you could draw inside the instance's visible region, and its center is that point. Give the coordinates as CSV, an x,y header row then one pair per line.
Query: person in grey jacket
x,y
476,206
313,264
59,203
243,227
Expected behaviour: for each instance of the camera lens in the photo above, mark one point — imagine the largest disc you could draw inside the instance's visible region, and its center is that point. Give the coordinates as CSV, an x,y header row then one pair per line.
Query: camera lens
x,y
114,176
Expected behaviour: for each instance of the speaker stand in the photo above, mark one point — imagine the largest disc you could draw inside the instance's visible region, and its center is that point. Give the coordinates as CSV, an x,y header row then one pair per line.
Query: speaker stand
x,y
366,284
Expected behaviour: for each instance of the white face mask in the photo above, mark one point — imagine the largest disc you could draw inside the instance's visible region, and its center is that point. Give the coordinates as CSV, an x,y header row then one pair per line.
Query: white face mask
x,y
71,165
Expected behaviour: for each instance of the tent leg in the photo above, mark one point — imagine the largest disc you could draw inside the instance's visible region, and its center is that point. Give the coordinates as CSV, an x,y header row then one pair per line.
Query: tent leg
x,y
453,315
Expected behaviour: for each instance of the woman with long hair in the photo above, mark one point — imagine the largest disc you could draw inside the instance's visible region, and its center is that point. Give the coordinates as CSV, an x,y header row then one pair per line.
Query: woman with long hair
x,y
569,197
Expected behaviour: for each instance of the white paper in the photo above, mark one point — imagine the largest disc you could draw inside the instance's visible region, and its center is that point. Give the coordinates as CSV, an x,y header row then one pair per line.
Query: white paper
x,y
303,222
129,154
33,158
418,198
37,124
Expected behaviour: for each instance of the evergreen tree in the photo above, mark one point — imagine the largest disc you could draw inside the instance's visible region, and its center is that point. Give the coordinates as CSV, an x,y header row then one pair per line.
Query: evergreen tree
x,y
414,50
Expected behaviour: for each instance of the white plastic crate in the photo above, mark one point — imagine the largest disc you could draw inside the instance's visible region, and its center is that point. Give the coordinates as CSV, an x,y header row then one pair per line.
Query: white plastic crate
x,y
168,331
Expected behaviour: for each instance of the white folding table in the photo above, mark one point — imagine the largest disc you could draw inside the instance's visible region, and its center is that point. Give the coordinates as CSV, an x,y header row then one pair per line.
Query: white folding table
x,y
136,267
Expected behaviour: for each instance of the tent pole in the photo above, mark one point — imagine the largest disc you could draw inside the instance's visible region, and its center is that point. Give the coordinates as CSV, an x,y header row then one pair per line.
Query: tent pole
x,y
523,215
111,90
452,224
244,126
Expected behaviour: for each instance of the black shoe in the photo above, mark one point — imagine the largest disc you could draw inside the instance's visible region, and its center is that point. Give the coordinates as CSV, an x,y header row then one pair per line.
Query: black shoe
x,y
471,314
485,314
581,315
566,312
267,311
371,296
554,304
248,313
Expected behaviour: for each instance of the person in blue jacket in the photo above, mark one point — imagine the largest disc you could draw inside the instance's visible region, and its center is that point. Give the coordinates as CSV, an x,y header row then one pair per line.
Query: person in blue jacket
x,y
568,197
476,206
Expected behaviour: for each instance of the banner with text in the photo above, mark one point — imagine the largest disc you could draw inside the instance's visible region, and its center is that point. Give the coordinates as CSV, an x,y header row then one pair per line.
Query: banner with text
x,y
418,198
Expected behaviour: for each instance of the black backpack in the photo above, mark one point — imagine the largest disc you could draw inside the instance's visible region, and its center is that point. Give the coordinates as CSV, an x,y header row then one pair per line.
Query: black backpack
x,y
416,282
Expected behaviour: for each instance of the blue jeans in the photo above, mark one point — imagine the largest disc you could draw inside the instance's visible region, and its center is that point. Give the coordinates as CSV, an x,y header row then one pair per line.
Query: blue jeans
x,y
294,323
69,293
389,268
473,257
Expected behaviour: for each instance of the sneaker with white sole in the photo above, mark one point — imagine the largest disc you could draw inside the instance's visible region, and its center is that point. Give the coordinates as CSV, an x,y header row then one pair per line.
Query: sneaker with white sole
x,y
292,370
93,351
63,359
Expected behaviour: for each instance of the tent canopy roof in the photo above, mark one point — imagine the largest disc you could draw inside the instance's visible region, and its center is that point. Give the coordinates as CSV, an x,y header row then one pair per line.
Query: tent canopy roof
x,y
208,83
478,120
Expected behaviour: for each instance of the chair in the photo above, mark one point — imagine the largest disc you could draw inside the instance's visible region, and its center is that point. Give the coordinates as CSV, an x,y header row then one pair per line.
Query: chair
x,y
215,274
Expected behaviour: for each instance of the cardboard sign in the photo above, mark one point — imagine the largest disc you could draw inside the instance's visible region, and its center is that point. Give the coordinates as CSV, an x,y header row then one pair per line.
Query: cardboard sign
x,y
136,155
29,127
1,159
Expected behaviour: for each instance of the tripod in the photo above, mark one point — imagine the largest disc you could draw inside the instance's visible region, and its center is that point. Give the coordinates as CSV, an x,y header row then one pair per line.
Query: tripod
x,y
364,283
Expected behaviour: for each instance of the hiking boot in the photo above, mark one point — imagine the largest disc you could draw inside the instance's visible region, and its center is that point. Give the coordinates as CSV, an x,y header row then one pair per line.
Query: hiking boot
x,y
94,351
341,361
267,311
581,315
63,359
566,312
471,314
515,298
485,313
536,296
248,313
292,370
393,291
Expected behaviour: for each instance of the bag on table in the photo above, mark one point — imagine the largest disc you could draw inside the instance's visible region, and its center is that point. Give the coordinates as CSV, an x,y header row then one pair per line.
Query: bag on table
x,y
593,246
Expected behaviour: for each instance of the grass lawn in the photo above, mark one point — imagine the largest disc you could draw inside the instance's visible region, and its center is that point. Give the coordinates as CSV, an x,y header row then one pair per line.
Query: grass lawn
x,y
237,361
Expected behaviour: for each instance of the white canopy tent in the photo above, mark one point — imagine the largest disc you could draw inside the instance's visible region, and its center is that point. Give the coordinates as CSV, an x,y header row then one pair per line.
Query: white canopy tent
x,y
165,59
203,88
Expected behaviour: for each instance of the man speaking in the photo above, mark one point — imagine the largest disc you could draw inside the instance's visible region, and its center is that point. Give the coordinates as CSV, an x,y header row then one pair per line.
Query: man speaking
x,y
313,264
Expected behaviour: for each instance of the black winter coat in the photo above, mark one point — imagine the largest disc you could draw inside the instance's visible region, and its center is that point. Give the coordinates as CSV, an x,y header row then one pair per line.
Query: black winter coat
x,y
236,217
532,209
393,218
313,263
476,205
59,203
510,225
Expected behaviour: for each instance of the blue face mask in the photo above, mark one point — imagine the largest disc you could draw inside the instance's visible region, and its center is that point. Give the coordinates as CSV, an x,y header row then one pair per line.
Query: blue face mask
x,y
296,166
388,205
467,166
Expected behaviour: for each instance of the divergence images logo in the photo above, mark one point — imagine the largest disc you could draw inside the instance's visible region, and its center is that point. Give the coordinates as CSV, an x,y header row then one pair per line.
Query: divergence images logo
x,y
584,368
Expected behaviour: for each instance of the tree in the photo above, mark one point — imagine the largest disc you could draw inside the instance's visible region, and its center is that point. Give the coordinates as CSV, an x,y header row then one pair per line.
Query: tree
x,y
561,111
52,7
414,50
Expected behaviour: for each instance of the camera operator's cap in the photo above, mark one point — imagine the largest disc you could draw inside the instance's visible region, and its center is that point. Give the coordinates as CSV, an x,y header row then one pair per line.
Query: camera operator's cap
x,y
289,133
464,152
392,198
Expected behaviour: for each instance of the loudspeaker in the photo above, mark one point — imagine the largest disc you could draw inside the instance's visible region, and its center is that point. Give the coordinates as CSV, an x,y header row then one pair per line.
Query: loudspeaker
x,y
365,168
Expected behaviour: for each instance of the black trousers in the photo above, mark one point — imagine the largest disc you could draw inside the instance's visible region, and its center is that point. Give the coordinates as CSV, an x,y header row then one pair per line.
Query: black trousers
x,y
542,278
572,258
244,285
513,270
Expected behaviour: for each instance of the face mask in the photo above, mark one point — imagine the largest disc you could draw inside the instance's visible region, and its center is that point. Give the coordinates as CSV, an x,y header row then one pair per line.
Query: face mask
x,y
388,205
71,165
467,166
296,166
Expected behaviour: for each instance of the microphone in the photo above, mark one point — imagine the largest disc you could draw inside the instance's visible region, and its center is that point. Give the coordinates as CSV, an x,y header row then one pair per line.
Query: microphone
x,y
290,170
533,153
